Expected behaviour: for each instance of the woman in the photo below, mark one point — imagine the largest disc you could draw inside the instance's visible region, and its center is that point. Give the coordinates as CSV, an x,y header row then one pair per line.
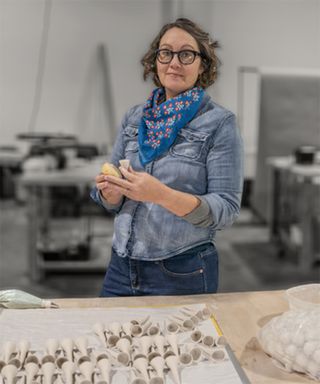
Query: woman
x,y
185,179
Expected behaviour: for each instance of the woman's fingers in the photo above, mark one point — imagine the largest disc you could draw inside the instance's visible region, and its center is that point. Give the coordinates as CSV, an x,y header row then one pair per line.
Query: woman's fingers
x,y
120,182
129,175
100,178
102,185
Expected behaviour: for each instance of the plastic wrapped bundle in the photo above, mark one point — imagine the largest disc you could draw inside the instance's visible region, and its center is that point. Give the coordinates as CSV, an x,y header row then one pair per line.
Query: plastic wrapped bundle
x,y
293,340
16,299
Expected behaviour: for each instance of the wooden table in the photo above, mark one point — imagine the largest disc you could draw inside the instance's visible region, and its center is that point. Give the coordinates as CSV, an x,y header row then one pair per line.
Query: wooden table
x,y
240,316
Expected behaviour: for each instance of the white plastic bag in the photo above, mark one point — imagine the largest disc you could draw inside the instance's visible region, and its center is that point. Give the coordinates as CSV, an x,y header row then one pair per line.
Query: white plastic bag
x,y
293,340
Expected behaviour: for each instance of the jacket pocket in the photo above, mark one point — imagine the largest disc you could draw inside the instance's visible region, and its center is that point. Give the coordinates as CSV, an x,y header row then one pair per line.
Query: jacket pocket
x,y
188,144
131,139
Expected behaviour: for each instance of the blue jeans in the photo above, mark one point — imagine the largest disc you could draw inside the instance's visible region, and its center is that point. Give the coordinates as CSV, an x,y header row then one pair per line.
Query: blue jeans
x,y
192,272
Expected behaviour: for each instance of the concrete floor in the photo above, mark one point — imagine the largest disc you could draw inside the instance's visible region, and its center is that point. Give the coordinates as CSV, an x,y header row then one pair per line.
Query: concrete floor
x,y
248,261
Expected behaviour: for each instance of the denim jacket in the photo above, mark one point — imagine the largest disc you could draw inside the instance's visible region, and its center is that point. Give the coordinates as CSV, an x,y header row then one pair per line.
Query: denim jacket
x,y
206,160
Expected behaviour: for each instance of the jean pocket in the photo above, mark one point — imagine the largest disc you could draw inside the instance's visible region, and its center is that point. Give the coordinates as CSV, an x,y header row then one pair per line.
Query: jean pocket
x,y
210,260
186,265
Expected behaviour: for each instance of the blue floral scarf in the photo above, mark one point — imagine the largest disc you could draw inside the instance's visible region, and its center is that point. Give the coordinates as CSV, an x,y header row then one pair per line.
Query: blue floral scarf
x,y
161,123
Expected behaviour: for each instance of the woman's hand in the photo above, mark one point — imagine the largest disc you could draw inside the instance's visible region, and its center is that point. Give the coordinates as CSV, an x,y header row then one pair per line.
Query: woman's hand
x,y
109,191
139,186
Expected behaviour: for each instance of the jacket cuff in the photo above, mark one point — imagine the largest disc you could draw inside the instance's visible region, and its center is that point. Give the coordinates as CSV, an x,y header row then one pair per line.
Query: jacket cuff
x,y
201,216
109,206
96,196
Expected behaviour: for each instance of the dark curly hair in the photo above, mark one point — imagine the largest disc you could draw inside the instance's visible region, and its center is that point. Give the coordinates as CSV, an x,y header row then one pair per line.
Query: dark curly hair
x,y
206,45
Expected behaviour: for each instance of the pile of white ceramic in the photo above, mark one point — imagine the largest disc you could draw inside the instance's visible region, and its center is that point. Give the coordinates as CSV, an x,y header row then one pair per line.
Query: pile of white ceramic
x,y
146,350
293,340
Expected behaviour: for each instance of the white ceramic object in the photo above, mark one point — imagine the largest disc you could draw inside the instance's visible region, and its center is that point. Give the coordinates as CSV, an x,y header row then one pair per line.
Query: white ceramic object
x,y
172,362
185,359
123,358
15,362
173,342
115,328
172,326
208,341
206,313
193,312
154,330
221,341
126,337
103,363
125,163
135,379
144,320
196,336
218,355
9,372
152,355
68,369
159,341
141,365
136,330
213,353
158,364
145,327
23,348
31,367
52,346
112,340
126,328
144,344
81,343
99,330
206,352
9,348
67,345
195,352
186,324
86,367
195,320
155,379
58,380
112,355
124,345
48,368
2,364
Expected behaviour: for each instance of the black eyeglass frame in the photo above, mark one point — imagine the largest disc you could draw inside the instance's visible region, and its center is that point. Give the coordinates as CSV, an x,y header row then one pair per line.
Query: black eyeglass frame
x,y
178,53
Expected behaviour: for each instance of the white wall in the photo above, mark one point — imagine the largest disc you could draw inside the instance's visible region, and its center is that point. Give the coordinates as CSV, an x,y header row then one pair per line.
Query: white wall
x,y
280,33
268,33
72,93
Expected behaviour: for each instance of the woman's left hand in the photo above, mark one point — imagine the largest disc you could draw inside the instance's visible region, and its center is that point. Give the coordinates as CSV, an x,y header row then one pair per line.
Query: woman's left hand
x,y
139,186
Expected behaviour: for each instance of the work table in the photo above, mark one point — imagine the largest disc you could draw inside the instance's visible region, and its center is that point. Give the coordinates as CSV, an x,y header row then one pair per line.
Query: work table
x,y
240,316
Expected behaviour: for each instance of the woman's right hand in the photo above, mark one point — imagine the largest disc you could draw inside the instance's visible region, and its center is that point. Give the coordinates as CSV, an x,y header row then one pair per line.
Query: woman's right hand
x,y
109,191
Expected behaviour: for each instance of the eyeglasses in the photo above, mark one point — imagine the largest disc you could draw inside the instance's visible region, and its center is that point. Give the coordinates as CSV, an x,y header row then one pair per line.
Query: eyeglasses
x,y
186,56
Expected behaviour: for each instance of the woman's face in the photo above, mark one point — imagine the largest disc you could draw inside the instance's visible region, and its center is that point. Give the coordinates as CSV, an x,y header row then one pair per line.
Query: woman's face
x,y
174,76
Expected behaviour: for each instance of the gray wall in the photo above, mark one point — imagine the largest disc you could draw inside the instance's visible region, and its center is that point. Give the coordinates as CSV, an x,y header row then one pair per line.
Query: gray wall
x,y
68,95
